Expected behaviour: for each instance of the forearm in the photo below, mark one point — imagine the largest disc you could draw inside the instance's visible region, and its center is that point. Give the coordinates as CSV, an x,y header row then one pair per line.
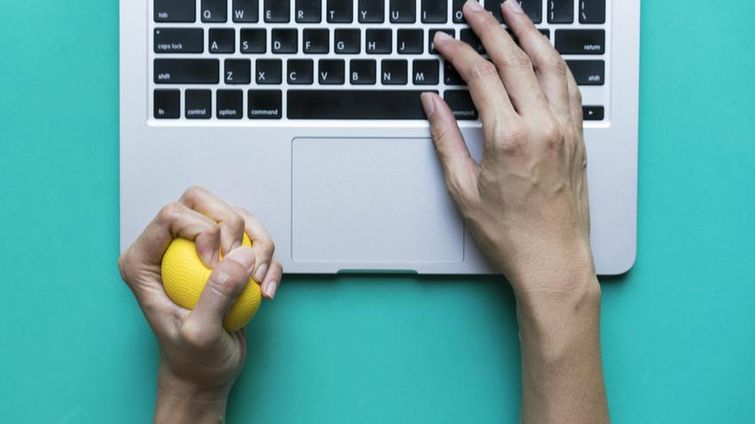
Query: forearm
x,y
178,402
562,377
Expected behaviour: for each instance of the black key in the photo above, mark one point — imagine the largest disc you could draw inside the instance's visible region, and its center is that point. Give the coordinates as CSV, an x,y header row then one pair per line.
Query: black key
x,y
277,11
451,76
222,40
214,10
246,11
393,72
167,104
332,71
179,40
198,104
560,11
371,11
378,41
362,72
533,9
316,41
546,33
468,36
187,71
410,41
593,113
456,12
461,104
238,71
592,12
434,11
308,11
588,72
425,72
175,11
353,104
300,71
265,104
269,71
431,34
285,41
230,104
403,11
347,41
494,7
340,11
253,40
581,41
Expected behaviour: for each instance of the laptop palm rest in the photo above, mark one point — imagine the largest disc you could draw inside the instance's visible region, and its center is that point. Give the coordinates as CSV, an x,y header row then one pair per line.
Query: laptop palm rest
x,y
371,201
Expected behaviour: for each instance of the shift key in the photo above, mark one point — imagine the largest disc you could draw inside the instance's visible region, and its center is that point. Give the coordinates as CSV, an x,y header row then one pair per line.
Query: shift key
x,y
187,71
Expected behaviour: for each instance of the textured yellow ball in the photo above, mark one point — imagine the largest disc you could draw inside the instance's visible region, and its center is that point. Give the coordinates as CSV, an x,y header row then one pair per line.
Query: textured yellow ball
x,y
184,277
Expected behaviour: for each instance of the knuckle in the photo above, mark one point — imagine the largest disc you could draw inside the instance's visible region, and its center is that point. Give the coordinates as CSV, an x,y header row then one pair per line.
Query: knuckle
x,y
236,221
191,195
518,60
169,212
482,69
123,265
439,132
510,138
228,280
552,134
554,63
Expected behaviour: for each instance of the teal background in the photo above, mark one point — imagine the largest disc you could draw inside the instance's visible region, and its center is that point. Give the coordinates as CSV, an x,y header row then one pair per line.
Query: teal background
x,y
678,331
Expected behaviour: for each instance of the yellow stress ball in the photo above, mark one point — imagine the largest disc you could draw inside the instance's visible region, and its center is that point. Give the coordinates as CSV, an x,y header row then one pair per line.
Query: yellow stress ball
x,y
184,277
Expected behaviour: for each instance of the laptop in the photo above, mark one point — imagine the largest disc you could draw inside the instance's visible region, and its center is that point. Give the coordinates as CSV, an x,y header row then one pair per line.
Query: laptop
x,y
307,113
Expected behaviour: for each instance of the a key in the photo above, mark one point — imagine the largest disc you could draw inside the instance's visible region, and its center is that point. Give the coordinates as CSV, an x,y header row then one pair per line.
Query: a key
x,y
179,40
371,11
362,71
265,104
316,41
186,71
580,41
592,12
238,71
451,76
431,34
214,10
331,72
533,9
245,11
461,104
560,11
198,104
593,113
588,72
494,7
175,11
425,72
434,11
403,11
284,41
253,40
468,36
268,71
340,11
230,104
222,40
351,104
277,11
347,41
378,41
167,104
410,41
394,72
300,71
457,13
308,11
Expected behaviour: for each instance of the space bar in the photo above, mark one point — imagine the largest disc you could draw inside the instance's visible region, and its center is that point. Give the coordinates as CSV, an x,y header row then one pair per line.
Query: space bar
x,y
354,104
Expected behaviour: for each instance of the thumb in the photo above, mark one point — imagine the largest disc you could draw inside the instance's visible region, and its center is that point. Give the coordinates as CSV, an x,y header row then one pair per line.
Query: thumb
x,y
459,168
227,281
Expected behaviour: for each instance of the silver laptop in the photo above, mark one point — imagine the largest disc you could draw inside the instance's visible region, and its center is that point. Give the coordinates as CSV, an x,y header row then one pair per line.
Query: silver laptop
x,y
307,113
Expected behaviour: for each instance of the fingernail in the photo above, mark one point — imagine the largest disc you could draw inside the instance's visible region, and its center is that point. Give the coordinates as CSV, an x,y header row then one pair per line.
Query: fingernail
x,y
514,6
427,103
475,5
244,256
261,271
270,288
441,36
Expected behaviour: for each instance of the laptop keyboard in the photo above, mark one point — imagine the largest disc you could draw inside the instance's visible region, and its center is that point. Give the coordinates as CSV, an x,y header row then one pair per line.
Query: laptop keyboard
x,y
340,59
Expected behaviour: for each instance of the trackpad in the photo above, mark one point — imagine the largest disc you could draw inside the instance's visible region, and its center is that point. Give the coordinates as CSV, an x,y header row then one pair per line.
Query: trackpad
x,y
371,200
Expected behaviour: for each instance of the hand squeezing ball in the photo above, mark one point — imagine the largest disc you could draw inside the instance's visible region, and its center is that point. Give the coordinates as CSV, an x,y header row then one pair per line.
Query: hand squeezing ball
x,y
185,276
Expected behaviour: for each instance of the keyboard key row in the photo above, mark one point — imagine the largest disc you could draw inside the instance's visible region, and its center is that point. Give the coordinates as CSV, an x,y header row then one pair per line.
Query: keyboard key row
x,y
305,104
368,11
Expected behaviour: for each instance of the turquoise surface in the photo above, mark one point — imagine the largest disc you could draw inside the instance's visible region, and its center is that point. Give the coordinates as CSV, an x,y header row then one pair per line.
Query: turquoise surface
x,y
678,331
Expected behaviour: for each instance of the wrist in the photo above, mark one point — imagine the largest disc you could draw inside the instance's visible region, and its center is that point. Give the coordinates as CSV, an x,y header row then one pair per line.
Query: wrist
x,y
180,401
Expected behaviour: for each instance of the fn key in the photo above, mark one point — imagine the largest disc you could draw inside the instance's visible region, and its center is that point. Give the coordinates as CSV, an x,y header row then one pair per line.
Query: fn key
x,y
167,104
